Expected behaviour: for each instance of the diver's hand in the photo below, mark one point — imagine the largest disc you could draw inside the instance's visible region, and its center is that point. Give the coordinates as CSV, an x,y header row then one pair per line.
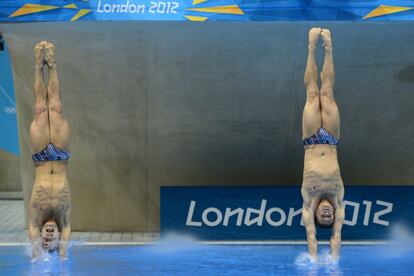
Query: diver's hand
x,y
335,258
34,259
335,246
36,251
63,252
63,256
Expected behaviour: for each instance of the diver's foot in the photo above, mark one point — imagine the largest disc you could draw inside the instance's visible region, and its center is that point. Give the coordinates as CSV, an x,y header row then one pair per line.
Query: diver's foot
x,y
39,54
314,34
50,54
327,40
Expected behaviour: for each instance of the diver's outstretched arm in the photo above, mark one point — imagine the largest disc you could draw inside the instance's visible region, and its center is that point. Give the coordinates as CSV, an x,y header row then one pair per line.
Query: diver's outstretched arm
x,y
336,230
65,234
64,242
34,235
308,218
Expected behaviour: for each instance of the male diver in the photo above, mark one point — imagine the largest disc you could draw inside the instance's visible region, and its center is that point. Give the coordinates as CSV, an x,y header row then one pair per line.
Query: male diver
x,y
50,204
322,187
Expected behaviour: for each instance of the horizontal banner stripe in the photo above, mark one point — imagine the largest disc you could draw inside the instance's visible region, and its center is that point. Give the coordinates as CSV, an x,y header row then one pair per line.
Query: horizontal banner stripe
x,y
221,10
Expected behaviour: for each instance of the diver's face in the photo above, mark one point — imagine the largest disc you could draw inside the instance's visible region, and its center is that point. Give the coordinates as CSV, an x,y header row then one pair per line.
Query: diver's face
x,y
325,213
50,236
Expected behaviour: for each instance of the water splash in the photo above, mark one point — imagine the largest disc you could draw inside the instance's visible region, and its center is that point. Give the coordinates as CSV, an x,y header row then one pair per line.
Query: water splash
x,y
402,234
45,255
46,263
305,259
324,259
49,264
402,242
310,266
173,242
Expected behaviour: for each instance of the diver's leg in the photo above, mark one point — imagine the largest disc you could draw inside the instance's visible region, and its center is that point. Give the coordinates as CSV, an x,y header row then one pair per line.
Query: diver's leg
x,y
311,120
39,129
330,113
59,128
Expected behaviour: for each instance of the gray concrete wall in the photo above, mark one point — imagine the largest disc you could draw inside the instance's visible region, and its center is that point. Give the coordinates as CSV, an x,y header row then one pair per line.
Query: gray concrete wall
x,y
9,172
163,103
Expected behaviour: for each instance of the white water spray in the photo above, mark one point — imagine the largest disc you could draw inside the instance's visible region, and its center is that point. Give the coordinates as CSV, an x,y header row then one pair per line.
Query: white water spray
x,y
324,259
172,242
402,242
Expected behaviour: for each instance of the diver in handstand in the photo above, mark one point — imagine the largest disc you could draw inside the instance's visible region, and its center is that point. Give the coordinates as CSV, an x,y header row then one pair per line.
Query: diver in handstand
x,y
322,187
50,204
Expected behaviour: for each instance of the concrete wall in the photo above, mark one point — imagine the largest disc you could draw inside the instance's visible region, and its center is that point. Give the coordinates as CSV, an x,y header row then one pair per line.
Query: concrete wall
x,y
163,103
9,172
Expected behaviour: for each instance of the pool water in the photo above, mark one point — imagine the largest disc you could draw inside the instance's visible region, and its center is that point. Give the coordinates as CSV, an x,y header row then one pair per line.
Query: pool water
x,y
193,259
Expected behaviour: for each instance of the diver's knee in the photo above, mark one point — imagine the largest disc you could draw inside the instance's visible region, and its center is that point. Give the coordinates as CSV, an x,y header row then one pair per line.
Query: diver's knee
x,y
55,106
312,94
40,108
327,93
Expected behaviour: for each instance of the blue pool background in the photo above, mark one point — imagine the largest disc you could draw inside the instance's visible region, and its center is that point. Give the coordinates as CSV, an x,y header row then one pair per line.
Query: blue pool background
x,y
193,259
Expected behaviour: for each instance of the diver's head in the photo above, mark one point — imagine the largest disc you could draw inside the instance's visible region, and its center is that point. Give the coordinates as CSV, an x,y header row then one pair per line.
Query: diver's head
x,y
324,215
50,235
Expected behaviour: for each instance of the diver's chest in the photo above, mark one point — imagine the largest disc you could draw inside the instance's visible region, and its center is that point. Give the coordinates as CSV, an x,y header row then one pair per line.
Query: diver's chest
x,y
323,187
51,208
54,195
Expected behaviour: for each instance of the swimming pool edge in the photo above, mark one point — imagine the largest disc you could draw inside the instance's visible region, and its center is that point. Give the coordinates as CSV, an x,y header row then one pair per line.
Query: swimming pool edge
x,y
139,243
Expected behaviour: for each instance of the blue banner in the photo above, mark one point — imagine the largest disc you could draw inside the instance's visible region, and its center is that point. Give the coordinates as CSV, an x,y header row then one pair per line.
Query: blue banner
x,y
275,213
8,122
202,10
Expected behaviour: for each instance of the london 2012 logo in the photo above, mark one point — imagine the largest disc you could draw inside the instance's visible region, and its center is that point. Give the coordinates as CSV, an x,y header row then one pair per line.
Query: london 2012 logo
x,y
132,7
357,212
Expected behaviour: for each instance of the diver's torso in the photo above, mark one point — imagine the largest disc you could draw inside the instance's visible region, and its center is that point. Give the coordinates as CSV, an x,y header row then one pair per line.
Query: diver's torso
x,y
51,194
321,173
